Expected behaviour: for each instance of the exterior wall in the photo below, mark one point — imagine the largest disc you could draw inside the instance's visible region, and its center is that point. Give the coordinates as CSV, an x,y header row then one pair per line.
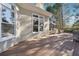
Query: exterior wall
x,y
4,45
52,26
24,29
0,20
5,42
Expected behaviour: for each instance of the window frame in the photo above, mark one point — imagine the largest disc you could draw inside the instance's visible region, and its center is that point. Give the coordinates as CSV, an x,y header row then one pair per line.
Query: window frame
x,y
33,23
14,22
38,23
43,22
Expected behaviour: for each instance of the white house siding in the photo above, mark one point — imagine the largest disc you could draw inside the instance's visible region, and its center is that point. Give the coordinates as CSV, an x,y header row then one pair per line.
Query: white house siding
x,y
5,43
24,29
24,26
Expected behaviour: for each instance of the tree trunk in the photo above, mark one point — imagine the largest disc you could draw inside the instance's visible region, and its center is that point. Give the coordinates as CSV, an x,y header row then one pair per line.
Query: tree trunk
x,y
58,21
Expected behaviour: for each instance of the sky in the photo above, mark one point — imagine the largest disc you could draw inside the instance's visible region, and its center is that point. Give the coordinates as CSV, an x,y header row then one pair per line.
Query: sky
x,y
71,19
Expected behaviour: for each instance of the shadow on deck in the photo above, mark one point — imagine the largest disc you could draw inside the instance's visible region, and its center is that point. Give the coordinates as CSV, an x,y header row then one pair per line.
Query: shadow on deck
x,y
51,46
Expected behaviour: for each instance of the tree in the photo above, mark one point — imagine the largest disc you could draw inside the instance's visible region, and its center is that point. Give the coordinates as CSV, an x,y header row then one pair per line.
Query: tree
x,y
56,9
76,24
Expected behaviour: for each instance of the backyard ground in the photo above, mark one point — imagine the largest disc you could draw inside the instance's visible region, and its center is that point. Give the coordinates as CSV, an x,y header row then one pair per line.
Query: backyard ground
x,y
54,45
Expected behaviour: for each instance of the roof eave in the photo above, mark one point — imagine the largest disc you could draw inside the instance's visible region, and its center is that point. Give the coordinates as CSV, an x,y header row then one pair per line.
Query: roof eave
x,y
34,9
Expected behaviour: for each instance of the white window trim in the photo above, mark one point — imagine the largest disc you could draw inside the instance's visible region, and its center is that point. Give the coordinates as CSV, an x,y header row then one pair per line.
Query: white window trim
x,y
38,23
32,23
8,37
43,23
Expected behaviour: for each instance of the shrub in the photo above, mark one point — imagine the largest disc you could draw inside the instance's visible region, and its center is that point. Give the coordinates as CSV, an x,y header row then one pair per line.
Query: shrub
x,y
69,30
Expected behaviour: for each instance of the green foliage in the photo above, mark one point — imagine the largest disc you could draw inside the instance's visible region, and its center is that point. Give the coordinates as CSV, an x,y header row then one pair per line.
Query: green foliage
x,y
76,26
76,23
68,30
49,8
56,11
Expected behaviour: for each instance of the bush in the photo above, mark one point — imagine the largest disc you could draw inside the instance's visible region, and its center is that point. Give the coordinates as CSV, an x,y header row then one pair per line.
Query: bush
x,y
76,29
68,30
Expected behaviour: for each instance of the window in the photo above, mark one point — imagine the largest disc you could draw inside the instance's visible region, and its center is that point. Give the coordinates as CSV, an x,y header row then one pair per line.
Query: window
x,y
6,15
38,23
53,21
7,30
41,23
35,23
7,24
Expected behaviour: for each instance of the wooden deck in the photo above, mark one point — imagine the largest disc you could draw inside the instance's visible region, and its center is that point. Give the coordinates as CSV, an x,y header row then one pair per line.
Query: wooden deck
x,y
54,45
